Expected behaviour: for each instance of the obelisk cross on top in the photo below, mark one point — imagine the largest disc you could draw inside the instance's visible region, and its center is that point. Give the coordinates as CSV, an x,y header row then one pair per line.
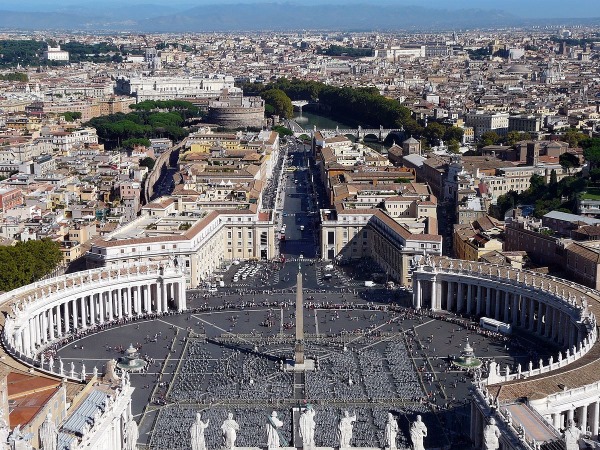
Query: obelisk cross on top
x,y
299,350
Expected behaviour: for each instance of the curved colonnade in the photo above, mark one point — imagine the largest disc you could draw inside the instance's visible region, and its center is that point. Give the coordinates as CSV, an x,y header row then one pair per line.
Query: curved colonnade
x,y
49,312
564,388
46,313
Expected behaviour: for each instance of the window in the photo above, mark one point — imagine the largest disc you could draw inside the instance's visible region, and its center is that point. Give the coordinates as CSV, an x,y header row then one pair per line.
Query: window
x,y
239,234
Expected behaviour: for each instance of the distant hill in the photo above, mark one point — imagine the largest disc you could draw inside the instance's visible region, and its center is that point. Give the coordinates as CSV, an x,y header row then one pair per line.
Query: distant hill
x,y
256,17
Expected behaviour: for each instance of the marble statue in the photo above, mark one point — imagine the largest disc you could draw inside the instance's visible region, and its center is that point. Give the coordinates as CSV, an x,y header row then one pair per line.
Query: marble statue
x,y
48,434
345,429
391,431
110,374
491,434
273,423
197,433
572,435
20,440
418,431
4,432
307,427
131,435
229,428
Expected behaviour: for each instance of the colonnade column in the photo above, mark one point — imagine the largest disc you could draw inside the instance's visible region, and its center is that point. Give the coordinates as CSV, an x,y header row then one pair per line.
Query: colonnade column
x,y
136,300
181,300
111,303
469,298
449,295
101,308
163,296
479,300
418,294
93,310
548,318
515,310
506,317
82,313
120,301
531,313
583,418
43,328
66,317
459,297
49,332
555,324
59,325
26,341
497,305
540,315
488,302
595,416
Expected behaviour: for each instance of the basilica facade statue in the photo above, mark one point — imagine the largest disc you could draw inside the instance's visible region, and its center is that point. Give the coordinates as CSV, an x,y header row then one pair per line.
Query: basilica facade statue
x,y
197,433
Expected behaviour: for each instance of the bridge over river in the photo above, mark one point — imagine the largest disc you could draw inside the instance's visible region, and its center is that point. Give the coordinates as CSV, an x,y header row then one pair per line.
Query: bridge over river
x,y
358,133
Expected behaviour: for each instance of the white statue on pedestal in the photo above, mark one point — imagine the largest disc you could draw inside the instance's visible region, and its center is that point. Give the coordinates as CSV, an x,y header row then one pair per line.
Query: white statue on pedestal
x,y
345,429
48,434
110,374
307,427
4,432
131,435
572,435
273,423
391,431
491,434
229,428
197,433
418,431
19,440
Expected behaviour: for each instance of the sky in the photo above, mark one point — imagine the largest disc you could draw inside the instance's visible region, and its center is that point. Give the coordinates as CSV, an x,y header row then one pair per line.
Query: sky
x,y
519,8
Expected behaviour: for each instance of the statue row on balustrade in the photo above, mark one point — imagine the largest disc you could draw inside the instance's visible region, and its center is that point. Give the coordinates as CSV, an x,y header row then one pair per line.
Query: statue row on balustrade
x,y
306,431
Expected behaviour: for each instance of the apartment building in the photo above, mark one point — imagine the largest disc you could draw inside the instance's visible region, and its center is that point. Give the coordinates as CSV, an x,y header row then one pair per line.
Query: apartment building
x,y
200,242
483,121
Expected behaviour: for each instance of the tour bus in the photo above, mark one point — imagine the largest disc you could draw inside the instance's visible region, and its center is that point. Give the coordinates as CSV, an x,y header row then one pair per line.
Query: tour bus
x,y
495,325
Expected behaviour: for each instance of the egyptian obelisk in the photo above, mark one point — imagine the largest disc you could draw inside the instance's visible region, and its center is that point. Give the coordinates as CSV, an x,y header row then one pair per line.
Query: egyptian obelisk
x,y
299,350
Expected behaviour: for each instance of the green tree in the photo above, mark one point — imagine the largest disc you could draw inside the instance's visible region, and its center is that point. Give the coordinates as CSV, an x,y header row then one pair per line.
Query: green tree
x,y
591,151
147,162
15,76
280,102
454,146
568,160
283,131
573,137
434,132
27,262
71,116
489,138
134,142
515,136
454,133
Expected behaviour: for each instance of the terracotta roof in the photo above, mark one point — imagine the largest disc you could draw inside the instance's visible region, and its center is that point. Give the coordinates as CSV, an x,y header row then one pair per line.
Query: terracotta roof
x,y
28,394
